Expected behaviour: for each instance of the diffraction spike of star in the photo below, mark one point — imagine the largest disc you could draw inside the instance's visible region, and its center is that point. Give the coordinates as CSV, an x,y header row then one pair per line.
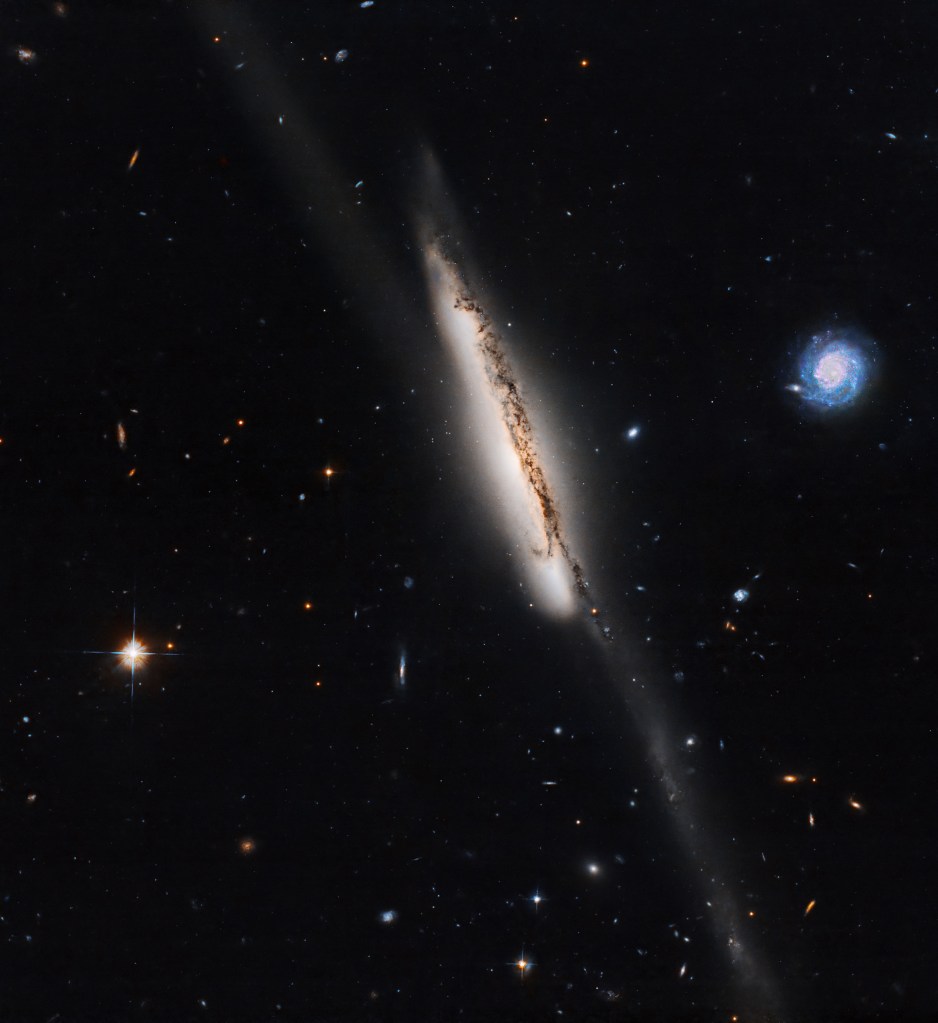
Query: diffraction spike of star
x,y
132,653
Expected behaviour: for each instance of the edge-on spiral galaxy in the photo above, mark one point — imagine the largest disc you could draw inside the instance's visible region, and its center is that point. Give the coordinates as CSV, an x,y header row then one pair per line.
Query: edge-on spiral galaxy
x,y
499,430
517,462
504,433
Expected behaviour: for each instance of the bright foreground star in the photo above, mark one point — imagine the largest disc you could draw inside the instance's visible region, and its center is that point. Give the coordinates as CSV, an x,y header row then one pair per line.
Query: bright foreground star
x,y
132,652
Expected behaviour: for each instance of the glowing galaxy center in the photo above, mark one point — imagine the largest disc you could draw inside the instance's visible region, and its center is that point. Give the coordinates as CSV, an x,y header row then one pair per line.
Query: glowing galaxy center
x,y
833,371
504,435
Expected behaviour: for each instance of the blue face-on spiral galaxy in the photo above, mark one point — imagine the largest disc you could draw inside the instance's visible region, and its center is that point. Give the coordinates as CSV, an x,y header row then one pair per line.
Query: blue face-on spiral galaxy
x,y
833,370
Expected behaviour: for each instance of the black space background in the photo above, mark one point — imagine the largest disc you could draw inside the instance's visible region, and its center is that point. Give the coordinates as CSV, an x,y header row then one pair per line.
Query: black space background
x,y
197,289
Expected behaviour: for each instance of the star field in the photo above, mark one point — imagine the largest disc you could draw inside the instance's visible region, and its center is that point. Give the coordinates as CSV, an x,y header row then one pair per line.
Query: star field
x,y
363,776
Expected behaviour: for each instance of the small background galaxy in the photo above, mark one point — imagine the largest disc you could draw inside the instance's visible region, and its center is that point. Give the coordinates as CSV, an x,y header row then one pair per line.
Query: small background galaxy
x,y
374,780
835,370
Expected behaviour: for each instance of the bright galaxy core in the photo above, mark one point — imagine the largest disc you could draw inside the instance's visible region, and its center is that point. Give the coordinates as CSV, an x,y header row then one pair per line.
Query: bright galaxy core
x,y
833,371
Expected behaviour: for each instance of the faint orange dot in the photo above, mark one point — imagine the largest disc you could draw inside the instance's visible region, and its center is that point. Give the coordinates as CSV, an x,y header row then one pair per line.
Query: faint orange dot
x,y
318,683
169,646
240,422
216,39
247,846
307,606
226,440
584,63
133,472
752,912
729,626
329,472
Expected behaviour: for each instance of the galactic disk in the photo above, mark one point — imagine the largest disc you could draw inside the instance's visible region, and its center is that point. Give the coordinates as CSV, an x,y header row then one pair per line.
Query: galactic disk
x,y
833,370
503,435
498,427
